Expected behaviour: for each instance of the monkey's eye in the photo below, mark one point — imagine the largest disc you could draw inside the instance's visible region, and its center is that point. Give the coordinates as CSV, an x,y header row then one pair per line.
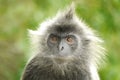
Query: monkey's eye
x,y
53,39
70,40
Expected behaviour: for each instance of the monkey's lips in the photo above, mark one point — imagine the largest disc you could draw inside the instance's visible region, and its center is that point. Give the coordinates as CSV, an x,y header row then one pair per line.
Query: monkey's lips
x,y
61,59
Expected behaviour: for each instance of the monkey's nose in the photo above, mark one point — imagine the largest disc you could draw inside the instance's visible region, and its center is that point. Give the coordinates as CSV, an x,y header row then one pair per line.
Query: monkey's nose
x,y
61,48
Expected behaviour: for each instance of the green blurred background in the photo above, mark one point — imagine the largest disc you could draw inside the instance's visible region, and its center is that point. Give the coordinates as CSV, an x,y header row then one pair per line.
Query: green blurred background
x,y
16,16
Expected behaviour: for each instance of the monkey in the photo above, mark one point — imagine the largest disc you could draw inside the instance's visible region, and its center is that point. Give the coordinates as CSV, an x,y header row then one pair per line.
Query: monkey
x,y
65,49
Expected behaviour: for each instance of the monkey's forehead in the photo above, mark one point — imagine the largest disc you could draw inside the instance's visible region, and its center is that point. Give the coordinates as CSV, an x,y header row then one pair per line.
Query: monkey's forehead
x,y
58,26
63,28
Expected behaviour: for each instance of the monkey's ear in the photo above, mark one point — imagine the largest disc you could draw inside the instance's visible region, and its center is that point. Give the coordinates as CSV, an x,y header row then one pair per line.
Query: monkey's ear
x,y
69,13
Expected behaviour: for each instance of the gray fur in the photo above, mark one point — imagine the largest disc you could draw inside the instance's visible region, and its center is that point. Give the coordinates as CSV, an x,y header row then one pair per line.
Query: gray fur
x,y
81,65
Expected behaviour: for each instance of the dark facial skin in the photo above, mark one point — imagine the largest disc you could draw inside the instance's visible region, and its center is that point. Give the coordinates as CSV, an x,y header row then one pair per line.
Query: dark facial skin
x,y
62,44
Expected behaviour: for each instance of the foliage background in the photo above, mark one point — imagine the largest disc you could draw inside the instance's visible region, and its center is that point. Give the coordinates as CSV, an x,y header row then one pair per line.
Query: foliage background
x,y
16,16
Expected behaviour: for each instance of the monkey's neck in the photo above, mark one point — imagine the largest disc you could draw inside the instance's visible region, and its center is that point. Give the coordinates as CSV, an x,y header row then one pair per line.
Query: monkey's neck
x,y
61,63
46,68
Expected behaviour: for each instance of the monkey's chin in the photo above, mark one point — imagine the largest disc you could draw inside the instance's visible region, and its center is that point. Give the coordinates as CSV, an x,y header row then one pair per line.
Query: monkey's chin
x,y
60,59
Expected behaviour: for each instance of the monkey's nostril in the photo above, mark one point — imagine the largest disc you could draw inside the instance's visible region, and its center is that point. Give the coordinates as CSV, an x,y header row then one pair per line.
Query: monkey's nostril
x,y
62,48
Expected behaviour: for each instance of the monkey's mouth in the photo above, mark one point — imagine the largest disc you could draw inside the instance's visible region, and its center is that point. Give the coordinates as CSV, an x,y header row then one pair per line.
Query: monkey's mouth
x,y
63,54
62,59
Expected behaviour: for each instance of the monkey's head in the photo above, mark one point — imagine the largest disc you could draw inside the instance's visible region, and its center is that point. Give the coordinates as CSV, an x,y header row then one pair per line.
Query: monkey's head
x,y
66,37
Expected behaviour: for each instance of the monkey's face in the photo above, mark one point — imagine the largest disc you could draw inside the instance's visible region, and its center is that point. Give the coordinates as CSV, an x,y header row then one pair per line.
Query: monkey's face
x,y
61,41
